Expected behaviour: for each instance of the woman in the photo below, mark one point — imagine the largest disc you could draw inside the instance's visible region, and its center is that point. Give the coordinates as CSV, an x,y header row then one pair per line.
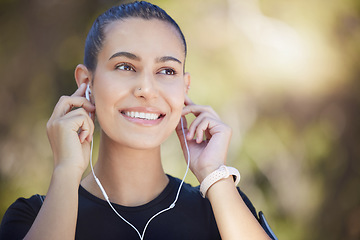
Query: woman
x,y
133,76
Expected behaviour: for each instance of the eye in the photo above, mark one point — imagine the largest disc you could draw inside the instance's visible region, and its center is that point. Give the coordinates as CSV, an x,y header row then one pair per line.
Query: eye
x,y
125,67
167,71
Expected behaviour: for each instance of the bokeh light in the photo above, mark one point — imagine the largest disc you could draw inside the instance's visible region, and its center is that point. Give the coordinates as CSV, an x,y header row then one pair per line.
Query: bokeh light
x,y
283,74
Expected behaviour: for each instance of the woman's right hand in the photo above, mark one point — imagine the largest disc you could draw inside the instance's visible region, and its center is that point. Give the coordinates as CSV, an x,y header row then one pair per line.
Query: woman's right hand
x,y
70,131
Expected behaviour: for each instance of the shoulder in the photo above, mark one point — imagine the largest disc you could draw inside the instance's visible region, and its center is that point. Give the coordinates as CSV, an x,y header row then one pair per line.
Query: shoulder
x,y
25,206
191,196
192,193
19,217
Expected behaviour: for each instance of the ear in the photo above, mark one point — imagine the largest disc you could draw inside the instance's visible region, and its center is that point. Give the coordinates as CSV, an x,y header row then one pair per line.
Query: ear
x,y
187,81
82,75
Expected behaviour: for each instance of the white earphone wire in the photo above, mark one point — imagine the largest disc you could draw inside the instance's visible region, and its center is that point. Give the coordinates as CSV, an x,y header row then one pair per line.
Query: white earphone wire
x,y
172,205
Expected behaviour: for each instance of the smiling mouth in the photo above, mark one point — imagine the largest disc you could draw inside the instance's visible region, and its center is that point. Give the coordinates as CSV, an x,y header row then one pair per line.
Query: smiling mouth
x,y
143,115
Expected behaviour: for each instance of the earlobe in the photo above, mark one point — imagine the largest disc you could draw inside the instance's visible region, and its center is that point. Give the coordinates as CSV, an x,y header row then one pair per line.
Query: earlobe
x,y
82,74
187,81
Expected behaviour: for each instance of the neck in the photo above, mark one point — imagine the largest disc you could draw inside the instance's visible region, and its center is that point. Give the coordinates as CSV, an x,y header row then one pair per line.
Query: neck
x,y
130,177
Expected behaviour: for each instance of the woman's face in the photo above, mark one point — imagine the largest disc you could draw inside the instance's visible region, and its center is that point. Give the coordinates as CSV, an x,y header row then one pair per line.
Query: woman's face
x,y
139,84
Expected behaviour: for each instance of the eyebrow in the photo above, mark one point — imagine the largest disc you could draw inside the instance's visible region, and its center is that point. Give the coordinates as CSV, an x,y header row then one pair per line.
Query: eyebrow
x,y
134,57
125,54
168,58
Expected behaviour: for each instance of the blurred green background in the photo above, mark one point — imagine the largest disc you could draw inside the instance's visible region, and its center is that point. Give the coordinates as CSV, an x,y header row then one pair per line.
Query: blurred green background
x,y
283,74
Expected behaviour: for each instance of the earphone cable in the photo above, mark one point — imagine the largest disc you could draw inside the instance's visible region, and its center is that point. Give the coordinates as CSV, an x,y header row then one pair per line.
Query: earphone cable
x,y
172,205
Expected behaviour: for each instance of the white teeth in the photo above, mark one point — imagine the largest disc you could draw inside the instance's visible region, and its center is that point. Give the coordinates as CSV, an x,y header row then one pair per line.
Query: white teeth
x,y
142,115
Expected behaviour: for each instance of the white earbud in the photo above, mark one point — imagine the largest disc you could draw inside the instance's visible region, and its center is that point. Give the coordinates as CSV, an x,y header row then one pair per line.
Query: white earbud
x,y
87,92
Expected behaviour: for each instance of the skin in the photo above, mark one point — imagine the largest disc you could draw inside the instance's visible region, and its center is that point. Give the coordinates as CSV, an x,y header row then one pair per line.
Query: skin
x,y
140,69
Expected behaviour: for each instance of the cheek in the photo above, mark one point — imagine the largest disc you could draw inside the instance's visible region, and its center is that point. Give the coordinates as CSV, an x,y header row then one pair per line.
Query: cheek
x,y
176,101
104,111
175,97
108,88
106,94
103,96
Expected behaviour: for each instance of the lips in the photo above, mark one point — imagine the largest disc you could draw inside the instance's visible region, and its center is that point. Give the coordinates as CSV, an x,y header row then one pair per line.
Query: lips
x,y
143,116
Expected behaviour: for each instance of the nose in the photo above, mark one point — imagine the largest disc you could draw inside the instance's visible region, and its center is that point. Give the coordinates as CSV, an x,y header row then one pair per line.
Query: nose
x,y
146,86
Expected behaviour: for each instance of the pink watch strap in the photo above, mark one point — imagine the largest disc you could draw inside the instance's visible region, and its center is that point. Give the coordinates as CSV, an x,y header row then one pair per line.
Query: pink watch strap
x,y
221,173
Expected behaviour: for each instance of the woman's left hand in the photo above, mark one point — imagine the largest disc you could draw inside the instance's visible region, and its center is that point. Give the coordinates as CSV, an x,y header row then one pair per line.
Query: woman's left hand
x,y
208,139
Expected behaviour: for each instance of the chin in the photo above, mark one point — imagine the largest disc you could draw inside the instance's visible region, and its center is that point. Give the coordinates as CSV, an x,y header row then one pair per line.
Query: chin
x,y
142,141
143,145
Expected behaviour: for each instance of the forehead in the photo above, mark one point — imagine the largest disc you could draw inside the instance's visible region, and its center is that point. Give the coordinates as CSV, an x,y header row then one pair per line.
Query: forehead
x,y
144,37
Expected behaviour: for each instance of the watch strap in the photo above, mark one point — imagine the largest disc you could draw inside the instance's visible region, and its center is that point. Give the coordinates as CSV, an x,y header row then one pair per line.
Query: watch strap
x,y
221,173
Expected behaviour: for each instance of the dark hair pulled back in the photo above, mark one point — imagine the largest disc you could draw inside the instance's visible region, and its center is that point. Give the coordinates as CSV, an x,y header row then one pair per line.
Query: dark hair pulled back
x,y
142,9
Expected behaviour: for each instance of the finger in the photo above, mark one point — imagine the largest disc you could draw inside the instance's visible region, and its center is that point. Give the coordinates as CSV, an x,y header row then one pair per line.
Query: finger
x,y
192,128
86,132
194,125
210,127
200,131
207,135
78,112
66,104
82,124
198,109
80,91
203,128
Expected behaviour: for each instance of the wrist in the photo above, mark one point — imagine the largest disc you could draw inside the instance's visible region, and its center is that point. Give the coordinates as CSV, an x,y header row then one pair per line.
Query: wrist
x,y
223,172
221,188
68,173
201,175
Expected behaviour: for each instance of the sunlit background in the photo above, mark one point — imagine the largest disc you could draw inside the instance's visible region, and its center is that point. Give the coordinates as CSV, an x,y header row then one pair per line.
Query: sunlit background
x,y
283,74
